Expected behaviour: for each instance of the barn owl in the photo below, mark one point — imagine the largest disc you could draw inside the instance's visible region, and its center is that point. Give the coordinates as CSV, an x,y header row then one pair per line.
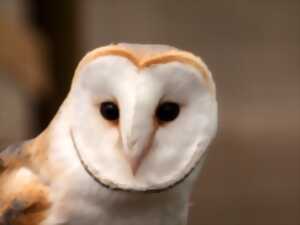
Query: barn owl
x,y
124,148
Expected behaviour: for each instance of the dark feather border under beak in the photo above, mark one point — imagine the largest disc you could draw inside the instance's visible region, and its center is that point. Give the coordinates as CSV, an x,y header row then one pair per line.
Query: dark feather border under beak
x,y
116,188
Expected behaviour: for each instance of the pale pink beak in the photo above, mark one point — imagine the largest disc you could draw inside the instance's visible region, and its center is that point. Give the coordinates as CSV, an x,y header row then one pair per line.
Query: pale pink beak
x,y
137,151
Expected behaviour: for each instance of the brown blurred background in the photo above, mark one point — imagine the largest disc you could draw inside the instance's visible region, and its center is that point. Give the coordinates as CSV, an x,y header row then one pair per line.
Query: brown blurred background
x,y
252,175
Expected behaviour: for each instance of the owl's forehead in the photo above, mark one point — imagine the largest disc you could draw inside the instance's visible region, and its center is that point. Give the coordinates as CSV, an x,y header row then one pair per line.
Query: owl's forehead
x,y
143,56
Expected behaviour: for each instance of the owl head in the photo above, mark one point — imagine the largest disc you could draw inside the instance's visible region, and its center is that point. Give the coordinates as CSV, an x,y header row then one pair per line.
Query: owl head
x,y
141,116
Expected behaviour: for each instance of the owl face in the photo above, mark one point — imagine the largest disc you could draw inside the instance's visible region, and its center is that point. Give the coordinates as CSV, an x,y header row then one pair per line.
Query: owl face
x,y
141,124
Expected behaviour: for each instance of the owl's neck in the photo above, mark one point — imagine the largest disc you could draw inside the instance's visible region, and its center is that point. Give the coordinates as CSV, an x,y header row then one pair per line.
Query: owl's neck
x,y
146,209
88,203
103,206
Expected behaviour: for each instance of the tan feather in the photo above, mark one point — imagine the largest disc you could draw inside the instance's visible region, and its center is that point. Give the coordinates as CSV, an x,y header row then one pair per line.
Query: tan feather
x,y
23,196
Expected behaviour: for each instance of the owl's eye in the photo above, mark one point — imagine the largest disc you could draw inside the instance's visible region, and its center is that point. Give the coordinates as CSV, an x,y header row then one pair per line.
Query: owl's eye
x,y
167,111
109,111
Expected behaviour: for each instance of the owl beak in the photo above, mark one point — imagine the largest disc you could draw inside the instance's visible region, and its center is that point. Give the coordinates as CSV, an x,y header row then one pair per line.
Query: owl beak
x,y
137,146
137,128
137,152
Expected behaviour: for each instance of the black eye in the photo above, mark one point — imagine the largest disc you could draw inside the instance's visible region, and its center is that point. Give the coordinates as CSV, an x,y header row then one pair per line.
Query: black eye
x,y
109,111
167,111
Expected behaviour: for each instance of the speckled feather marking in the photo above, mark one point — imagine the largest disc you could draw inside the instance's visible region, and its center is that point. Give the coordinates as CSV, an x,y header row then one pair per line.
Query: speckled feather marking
x,y
10,158
23,197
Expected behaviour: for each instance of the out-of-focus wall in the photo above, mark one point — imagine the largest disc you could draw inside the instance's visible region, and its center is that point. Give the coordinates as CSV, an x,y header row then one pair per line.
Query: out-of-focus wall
x,y
16,10
252,47
24,76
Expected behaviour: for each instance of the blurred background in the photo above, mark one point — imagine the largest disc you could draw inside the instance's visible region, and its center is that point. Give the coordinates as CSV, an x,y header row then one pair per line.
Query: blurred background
x,y
252,175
